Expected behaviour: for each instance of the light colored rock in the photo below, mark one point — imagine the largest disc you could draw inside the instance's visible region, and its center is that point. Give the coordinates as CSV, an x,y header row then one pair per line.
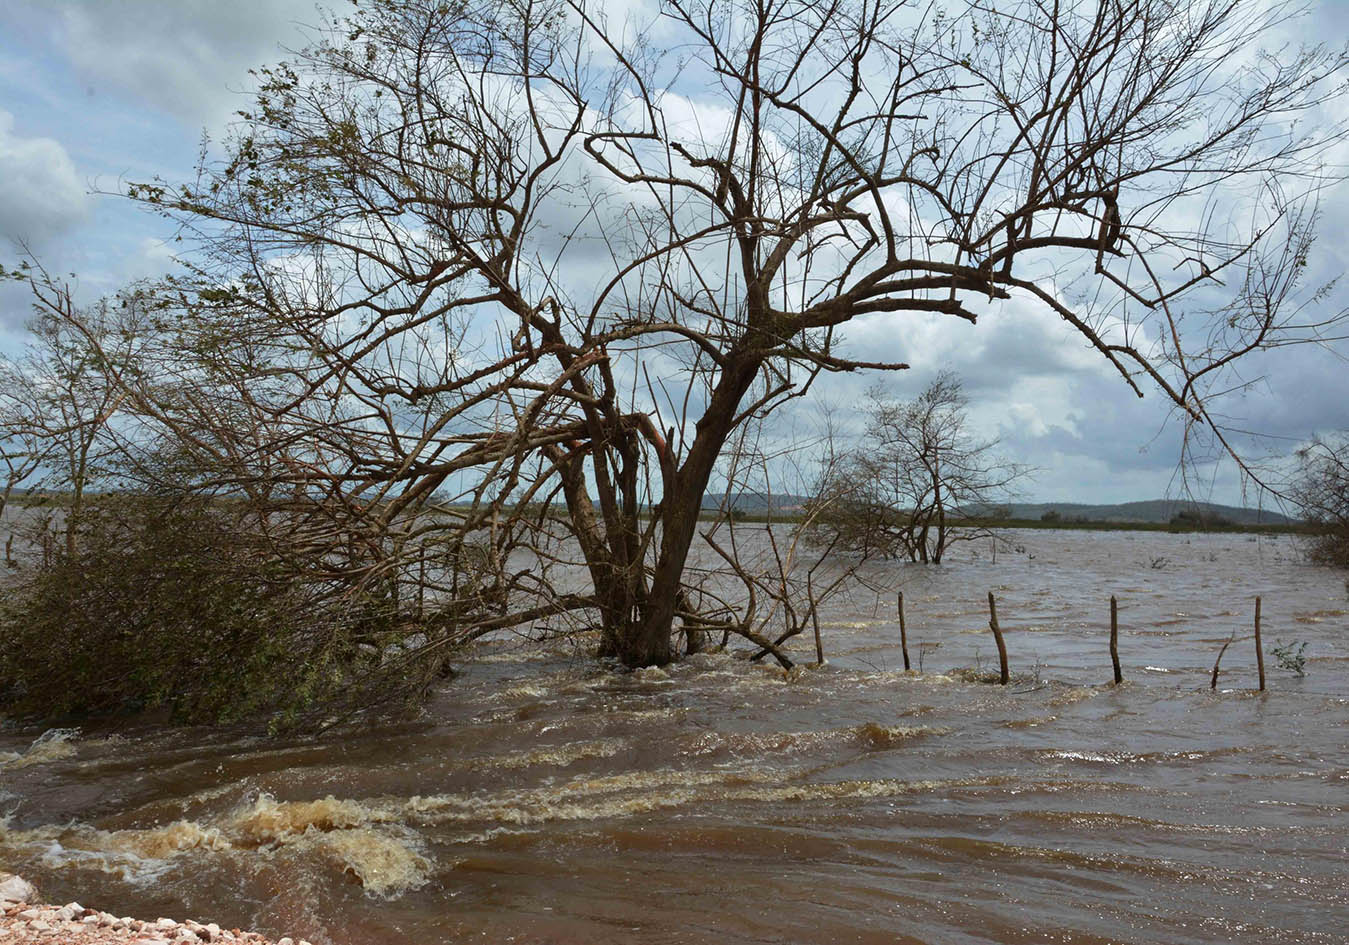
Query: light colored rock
x,y
91,920
16,889
39,925
166,924
30,914
284,941
66,913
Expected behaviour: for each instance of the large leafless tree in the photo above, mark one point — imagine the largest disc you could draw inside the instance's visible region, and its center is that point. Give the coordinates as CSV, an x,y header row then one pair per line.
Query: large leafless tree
x,y
512,274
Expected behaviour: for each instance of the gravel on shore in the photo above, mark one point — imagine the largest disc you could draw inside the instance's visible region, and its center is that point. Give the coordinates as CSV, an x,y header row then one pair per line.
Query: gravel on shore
x,y
27,922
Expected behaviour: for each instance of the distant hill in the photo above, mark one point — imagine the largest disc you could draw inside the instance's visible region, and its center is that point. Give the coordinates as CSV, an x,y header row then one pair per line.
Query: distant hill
x,y
1154,511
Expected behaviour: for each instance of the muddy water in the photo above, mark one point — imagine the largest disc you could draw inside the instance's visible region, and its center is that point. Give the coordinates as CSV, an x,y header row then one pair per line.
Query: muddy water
x,y
545,799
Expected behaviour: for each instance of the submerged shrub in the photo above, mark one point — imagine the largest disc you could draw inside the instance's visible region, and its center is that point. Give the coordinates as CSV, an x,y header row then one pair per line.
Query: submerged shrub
x,y
1291,656
174,605
1321,490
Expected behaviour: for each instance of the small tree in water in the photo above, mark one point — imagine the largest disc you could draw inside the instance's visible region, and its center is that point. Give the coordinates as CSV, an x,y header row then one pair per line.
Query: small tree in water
x,y
912,489
1321,491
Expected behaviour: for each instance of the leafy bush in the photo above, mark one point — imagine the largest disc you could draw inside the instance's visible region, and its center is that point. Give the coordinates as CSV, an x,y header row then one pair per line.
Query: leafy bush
x,y
176,606
1321,490
1290,656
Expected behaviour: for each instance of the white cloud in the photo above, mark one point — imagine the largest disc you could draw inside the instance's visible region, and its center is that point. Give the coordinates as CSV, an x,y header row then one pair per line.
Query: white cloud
x,y
41,195
189,58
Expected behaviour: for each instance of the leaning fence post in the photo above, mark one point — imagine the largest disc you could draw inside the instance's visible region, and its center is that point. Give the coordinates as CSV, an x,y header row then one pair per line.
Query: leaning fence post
x,y
1213,682
1114,639
997,637
903,633
1259,650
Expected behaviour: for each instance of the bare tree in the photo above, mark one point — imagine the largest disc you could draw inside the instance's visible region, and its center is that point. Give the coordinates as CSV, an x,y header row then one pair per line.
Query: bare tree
x,y
21,443
918,482
484,272
1321,491
58,400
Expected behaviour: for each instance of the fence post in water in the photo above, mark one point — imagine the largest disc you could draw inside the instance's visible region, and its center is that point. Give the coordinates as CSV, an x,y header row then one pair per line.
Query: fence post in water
x,y
1114,639
1213,682
903,633
997,637
1259,650
815,622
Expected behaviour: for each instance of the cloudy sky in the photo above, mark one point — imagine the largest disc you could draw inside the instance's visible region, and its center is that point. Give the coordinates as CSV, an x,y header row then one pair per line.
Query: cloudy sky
x,y
93,92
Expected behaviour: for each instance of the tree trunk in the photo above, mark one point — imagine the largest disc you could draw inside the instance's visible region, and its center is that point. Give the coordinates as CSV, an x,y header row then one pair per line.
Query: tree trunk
x,y
647,641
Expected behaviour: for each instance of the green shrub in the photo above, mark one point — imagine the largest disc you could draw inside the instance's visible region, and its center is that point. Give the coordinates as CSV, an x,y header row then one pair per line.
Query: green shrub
x,y
1291,656
175,606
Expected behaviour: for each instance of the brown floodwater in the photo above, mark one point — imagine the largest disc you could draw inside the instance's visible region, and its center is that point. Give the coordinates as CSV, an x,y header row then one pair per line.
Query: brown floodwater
x,y
544,798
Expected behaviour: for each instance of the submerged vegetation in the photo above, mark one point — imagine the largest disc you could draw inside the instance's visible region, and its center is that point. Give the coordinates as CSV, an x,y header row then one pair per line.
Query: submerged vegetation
x,y
180,606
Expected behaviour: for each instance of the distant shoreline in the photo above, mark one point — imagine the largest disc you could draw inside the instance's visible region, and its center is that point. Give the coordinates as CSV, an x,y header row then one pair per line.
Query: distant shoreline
x,y
790,517
795,514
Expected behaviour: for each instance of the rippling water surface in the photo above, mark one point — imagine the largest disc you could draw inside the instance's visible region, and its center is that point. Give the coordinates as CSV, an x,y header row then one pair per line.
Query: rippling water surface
x,y
543,798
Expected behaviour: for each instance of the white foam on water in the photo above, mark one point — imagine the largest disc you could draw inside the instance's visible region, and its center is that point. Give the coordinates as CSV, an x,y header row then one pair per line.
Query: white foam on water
x,y
55,744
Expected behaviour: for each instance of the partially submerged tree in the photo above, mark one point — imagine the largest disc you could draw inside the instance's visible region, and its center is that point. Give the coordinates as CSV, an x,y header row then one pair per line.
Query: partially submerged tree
x,y
918,482
512,255
1321,491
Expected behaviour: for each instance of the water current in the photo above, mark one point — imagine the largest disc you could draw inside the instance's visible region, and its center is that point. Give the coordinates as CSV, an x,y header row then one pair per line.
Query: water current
x,y
544,798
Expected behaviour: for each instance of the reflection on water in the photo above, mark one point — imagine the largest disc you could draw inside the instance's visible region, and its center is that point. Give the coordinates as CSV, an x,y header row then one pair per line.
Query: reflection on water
x,y
543,798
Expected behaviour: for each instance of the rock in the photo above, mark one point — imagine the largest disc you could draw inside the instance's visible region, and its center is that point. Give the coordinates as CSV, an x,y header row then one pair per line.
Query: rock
x,y
66,913
165,924
284,941
38,925
16,889
30,914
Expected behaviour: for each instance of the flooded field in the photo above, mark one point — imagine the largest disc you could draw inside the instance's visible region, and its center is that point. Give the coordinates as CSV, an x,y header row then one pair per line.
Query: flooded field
x,y
545,798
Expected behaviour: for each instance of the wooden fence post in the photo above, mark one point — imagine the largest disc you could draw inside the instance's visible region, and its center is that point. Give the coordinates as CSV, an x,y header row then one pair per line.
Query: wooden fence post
x,y
1259,650
815,622
1213,682
1114,639
997,637
903,633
